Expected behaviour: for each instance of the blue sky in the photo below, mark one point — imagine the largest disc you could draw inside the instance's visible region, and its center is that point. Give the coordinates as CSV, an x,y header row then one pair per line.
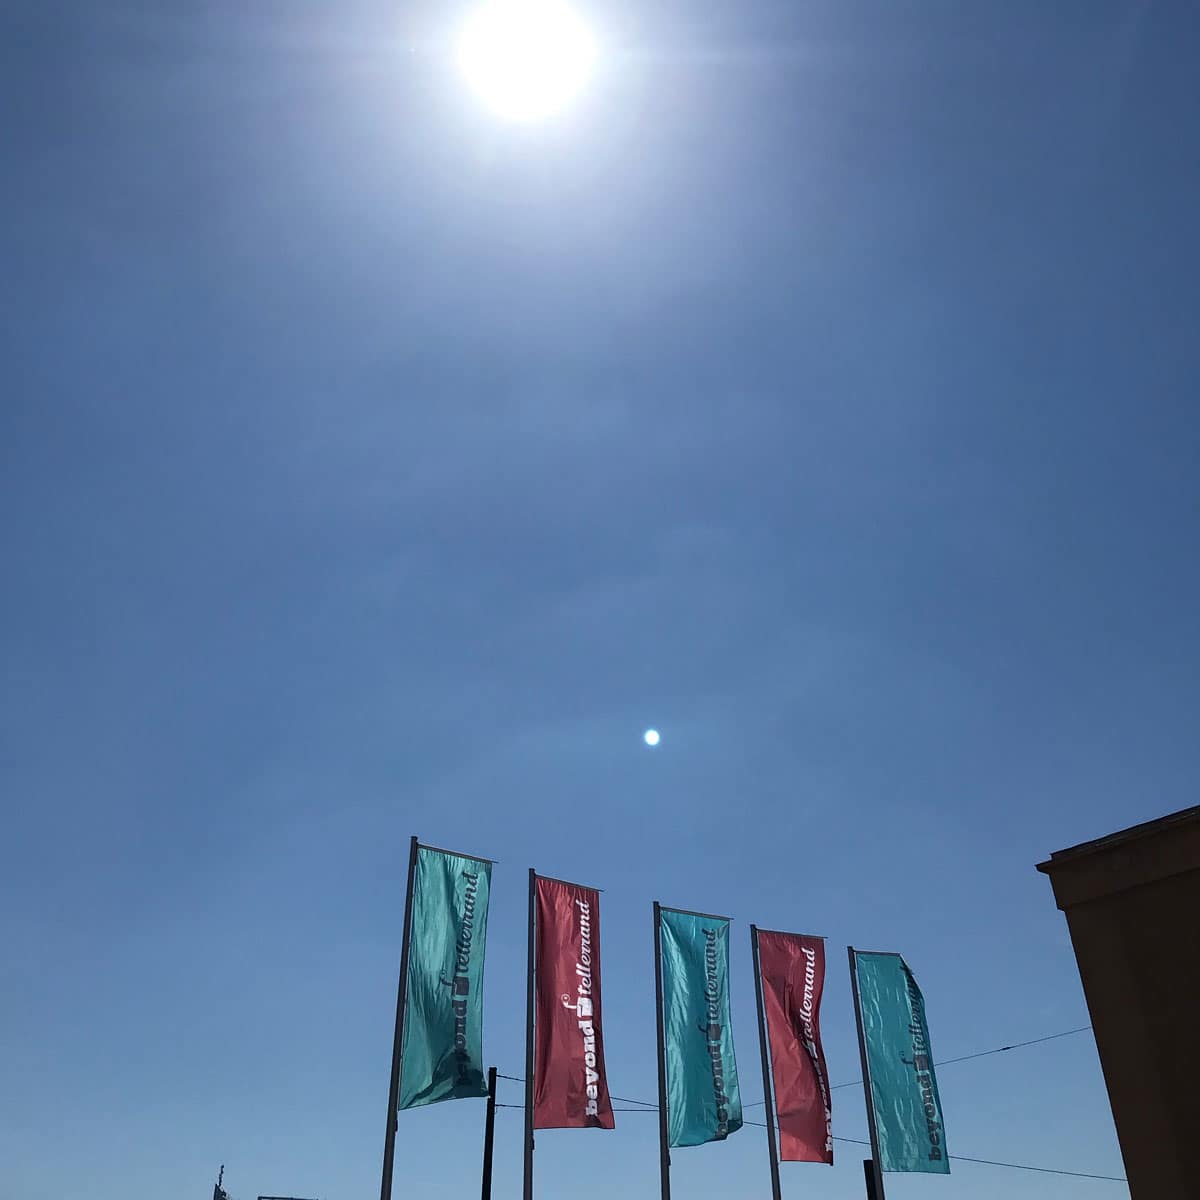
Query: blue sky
x,y
820,389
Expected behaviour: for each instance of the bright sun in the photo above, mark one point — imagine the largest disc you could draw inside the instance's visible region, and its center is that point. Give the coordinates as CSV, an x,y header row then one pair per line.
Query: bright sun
x,y
525,58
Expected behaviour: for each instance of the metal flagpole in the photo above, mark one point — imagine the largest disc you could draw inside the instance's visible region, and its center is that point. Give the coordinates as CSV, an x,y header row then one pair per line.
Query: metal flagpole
x,y
869,1177
489,1134
664,1149
876,1169
768,1096
529,1059
389,1141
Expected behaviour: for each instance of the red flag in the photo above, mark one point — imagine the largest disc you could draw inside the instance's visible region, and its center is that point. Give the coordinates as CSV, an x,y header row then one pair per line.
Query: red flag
x,y
793,977
570,1088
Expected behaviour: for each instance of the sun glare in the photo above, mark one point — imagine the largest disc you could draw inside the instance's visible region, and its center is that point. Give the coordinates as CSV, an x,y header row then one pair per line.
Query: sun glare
x,y
525,58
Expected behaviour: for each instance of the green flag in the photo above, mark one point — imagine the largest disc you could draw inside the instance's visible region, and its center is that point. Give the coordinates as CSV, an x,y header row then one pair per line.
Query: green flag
x,y
908,1113
703,1101
443,1017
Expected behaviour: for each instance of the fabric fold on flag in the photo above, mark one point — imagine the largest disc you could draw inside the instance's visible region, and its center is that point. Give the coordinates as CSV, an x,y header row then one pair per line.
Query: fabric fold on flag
x,y
703,1099
792,969
904,1091
442,1058
570,1084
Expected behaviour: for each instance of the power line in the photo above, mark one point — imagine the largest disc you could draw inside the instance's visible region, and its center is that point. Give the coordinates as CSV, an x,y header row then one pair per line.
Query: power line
x,y
946,1062
1043,1170
647,1106
1000,1049
616,1110
986,1161
623,1099
966,1057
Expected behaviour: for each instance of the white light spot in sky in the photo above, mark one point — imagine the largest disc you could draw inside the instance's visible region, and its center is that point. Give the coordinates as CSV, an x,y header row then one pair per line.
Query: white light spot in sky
x,y
525,58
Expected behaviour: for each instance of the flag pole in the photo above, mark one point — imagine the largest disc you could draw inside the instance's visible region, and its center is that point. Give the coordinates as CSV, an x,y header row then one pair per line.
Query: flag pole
x,y
664,1150
876,1169
489,1134
768,1097
529,1056
869,1176
389,1140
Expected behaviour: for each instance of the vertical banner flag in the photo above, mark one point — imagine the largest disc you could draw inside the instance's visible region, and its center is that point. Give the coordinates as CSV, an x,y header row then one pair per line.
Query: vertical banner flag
x,y
443,1018
793,977
908,1113
570,1086
703,1100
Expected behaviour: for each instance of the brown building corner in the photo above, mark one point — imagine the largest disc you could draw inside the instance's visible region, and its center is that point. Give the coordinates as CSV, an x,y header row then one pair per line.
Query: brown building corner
x,y
1132,902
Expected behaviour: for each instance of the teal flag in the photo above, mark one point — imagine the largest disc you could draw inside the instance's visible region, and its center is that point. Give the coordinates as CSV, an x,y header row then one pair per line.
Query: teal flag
x,y
908,1113
443,1018
703,1101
